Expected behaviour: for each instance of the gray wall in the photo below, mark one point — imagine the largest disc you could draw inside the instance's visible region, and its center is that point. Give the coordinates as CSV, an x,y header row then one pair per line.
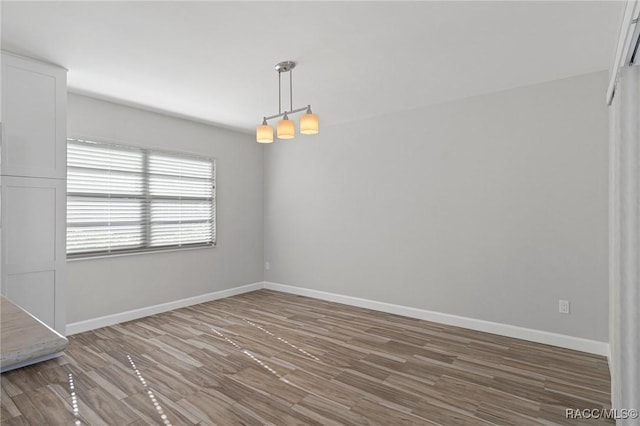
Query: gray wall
x,y
106,286
492,207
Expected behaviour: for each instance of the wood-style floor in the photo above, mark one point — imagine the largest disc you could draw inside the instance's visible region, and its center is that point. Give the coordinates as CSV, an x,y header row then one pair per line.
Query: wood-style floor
x,y
273,358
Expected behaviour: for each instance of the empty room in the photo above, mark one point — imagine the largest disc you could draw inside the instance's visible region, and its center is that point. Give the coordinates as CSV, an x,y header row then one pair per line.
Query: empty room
x,y
320,213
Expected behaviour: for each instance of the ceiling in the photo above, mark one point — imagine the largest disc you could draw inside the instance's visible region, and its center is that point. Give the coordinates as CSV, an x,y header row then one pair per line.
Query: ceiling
x,y
213,61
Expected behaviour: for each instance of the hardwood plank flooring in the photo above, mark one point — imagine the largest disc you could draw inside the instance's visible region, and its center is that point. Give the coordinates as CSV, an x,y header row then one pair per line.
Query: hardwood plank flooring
x,y
273,358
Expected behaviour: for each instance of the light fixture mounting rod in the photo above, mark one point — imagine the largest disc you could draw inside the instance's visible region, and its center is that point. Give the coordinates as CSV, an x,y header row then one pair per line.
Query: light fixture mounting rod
x,y
285,66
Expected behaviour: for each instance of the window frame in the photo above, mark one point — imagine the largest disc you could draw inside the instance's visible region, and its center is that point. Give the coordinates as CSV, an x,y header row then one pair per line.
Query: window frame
x,y
145,198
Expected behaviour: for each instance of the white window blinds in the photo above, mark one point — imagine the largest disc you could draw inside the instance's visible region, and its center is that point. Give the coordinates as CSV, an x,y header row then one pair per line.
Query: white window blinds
x,y
123,199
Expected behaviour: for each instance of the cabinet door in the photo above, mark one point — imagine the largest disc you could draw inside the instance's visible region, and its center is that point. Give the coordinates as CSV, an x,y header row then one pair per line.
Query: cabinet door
x,y
33,246
34,102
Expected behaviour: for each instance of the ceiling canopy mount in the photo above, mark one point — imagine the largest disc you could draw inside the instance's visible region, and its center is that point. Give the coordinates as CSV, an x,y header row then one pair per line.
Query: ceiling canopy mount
x,y
285,66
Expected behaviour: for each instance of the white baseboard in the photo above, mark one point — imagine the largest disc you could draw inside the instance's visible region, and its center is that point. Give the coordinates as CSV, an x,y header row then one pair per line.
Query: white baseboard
x,y
538,336
92,324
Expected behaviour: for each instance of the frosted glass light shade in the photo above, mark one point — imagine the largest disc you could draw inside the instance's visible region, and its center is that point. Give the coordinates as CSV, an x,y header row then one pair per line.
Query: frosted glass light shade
x,y
286,129
309,124
264,133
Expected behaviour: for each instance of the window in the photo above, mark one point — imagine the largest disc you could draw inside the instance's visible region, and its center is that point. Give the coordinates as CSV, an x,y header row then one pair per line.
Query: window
x,y
123,199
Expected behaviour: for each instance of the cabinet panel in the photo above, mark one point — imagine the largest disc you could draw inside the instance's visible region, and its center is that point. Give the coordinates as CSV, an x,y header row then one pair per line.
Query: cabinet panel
x,y
34,246
34,118
30,222
33,292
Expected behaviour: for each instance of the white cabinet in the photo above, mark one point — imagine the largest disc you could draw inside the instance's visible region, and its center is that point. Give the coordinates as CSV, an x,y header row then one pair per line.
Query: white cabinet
x,y
34,102
33,188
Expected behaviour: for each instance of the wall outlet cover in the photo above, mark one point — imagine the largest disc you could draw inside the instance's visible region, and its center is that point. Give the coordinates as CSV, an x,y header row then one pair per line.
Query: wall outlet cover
x,y
563,306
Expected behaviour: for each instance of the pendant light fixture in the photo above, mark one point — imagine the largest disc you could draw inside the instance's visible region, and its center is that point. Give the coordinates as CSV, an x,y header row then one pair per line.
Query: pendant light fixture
x,y
309,122
264,133
286,128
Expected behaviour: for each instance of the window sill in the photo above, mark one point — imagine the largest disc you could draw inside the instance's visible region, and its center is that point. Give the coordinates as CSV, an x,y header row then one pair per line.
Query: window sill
x,y
138,253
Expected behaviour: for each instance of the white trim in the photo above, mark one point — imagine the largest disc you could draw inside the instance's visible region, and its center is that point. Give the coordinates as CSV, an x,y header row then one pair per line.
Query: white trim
x,y
92,324
538,336
612,381
136,253
627,38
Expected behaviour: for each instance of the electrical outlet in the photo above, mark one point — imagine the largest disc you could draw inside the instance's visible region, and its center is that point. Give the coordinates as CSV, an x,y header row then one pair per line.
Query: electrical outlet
x,y
267,266
563,306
